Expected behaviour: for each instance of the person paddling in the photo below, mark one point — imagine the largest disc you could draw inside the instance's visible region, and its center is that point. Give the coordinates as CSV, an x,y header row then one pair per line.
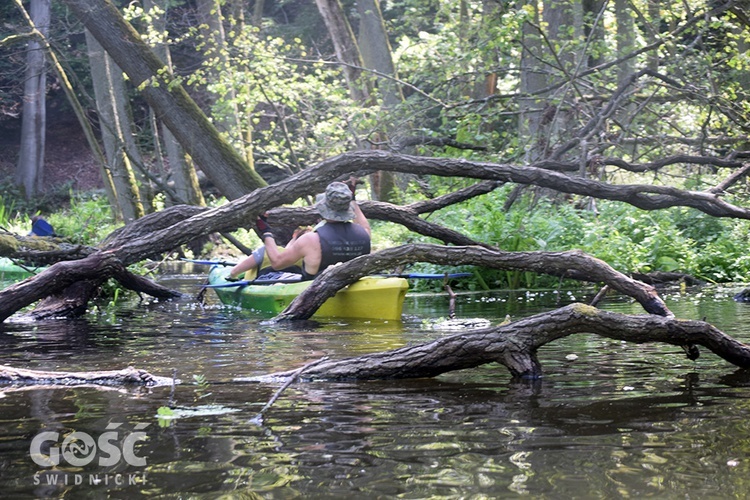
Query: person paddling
x,y
343,235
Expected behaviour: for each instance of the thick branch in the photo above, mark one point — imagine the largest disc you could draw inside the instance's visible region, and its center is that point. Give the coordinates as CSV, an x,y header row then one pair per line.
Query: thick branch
x,y
515,344
236,214
138,242
126,376
40,251
566,264
647,197
56,278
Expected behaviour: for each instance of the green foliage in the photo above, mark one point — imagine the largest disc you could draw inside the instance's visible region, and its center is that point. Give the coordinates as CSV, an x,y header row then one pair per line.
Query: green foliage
x,y
297,111
164,416
628,239
16,205
201,386
86,221
5,211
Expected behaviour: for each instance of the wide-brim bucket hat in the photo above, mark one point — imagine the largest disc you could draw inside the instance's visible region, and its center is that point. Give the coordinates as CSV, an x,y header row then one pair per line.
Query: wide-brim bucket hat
x,y
336,203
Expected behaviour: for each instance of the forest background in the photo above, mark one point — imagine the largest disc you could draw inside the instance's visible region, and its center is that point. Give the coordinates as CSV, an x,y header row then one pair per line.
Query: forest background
x,y
645,99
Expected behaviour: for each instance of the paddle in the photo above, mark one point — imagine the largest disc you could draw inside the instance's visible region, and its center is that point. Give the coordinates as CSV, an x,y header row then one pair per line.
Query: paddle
x,y
252,282
210,262
261,281
435,276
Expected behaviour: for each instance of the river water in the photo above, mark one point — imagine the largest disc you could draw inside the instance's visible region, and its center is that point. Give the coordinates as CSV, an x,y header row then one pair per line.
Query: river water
x,y
608,420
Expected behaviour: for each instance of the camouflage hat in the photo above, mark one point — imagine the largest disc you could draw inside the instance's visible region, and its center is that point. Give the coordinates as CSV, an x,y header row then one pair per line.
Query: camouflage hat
x,y
335,203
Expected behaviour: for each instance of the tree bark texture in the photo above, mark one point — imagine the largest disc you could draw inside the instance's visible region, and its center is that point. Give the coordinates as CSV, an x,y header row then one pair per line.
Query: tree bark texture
x,y
84,275
186,186
515,345
129,375
166,231
345,45
376,51
222,164
572,264
109,92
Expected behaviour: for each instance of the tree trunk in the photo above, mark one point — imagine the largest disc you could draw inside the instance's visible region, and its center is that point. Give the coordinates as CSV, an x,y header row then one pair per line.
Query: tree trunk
x,y
258,13
572,264
625,39
376,52
83,119
377,55
186,187
625,45
345,45
221,164
30,167
653,27
109,91
531,105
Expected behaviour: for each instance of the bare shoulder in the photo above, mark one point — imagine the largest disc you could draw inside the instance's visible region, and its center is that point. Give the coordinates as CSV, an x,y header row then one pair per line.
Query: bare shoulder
x,y
307,240
308,237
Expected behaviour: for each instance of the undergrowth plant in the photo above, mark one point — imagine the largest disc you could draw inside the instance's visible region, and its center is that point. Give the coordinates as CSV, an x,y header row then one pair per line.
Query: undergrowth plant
x,y
630,240
5,211
86,221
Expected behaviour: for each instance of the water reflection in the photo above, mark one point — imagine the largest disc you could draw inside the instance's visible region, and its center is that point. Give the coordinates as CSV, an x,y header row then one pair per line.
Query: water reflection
x,y
615,420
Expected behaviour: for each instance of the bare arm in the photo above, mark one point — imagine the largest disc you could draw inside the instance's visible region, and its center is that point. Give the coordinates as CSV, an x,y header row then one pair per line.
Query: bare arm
x,y
302,248
244,265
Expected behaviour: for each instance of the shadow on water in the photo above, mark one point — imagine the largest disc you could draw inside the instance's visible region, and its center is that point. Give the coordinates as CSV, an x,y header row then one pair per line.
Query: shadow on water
x,y
608,419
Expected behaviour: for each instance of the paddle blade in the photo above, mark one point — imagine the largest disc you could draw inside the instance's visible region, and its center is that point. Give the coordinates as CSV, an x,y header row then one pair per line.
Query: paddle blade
x,y
228,285
253,282
210,262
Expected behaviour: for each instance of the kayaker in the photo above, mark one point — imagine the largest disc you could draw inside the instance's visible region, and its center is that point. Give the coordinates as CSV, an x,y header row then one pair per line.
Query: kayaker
x,y
343,234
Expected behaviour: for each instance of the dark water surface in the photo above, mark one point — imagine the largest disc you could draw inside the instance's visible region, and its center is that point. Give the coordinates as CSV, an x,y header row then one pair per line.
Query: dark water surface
x,y
609,419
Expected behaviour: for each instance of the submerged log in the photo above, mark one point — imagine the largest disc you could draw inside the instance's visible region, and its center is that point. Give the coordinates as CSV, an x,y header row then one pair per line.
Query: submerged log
x,y
659,277
515,345
125,376
67,286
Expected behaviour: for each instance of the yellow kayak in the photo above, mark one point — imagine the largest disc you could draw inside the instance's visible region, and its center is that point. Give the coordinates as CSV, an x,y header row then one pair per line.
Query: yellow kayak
x,y
371,297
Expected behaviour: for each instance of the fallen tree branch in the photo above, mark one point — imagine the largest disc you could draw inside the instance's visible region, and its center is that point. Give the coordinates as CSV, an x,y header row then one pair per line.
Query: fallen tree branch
x,y
67,286
164,232
572,264
515,346
55,279
125,376
290,380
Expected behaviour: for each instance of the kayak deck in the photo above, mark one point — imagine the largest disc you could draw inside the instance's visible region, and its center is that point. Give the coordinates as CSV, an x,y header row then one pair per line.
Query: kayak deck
x,y
371,297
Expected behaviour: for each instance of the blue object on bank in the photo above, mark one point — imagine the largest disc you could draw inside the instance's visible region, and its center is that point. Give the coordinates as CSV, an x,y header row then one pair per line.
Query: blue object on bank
x,y
40,227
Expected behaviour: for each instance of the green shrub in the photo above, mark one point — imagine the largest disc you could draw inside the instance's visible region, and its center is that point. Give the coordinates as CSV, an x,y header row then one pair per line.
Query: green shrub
x,y
628,239
86,221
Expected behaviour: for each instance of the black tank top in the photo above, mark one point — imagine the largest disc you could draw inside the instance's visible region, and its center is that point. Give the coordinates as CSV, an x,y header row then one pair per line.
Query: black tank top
x,y
340,242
